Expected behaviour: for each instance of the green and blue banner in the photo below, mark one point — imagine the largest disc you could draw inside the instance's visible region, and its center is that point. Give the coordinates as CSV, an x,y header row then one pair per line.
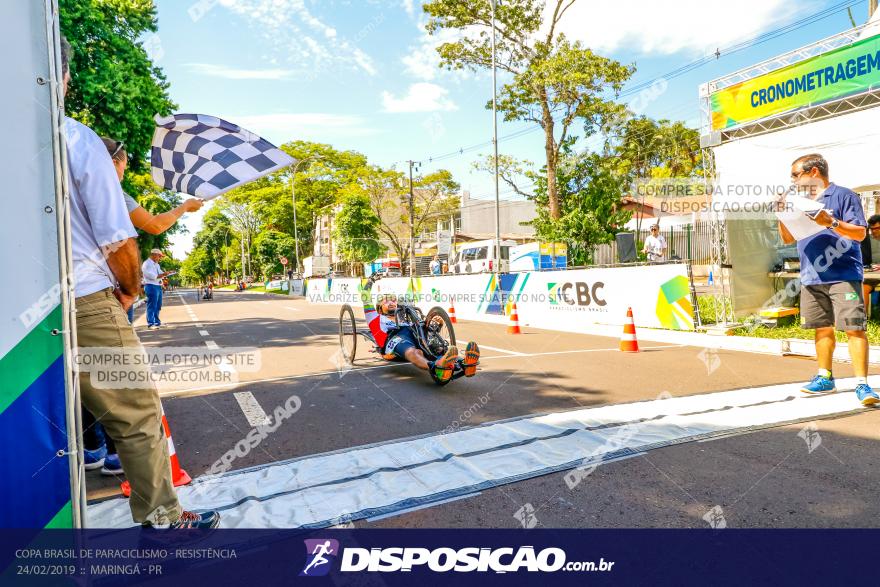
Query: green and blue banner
x,y
830,76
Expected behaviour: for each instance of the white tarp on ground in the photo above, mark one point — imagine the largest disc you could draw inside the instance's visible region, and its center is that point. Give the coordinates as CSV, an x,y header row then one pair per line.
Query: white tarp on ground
x,y
326,489
659,295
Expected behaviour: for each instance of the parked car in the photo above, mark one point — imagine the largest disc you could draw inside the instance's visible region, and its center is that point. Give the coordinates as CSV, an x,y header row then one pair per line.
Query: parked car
x,y
479,257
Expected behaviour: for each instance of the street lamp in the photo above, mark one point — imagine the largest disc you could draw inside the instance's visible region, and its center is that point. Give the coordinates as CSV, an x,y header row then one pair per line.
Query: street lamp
x,y
293,193
495,144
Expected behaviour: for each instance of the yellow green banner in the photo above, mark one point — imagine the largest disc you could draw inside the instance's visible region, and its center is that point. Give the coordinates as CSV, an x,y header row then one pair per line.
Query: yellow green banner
x,y
836,74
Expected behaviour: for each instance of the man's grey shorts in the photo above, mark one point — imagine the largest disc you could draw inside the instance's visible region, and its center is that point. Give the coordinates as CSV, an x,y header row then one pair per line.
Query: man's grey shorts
x,y
838,304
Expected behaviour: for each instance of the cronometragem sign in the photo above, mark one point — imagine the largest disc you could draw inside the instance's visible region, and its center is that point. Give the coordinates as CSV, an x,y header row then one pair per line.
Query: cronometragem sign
x,y
839,73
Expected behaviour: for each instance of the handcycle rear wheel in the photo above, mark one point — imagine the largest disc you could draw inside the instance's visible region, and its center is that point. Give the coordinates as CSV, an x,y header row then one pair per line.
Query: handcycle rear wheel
x,y
347,334
439,331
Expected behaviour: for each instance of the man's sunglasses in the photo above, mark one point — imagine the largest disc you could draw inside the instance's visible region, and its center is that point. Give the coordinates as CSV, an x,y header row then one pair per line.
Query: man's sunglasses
x,y
117,150
803,171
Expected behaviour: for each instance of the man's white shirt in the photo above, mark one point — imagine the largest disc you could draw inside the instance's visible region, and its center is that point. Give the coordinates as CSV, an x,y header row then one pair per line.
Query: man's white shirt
x,y
151,270
655,245
98,214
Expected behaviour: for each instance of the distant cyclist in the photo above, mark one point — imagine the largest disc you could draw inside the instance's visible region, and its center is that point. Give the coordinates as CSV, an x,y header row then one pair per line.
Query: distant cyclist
x,y
398,342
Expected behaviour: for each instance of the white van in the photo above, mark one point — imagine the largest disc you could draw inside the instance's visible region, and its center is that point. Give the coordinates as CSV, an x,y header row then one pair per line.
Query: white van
x,y
479,257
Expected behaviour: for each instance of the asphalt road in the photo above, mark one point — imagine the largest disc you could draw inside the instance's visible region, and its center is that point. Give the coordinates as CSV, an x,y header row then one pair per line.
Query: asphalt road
x,y
767,478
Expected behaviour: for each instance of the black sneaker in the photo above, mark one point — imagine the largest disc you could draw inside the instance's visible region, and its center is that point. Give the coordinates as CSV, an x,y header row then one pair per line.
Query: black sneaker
x,y
203,521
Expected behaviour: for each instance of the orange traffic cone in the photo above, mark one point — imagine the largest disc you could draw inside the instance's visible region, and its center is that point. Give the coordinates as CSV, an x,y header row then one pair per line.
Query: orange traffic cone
x,y
178,476
514,321
451,312
628,342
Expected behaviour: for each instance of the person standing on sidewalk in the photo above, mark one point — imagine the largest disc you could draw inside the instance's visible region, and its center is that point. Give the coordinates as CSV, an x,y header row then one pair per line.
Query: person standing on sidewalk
x,y
832,275
105,282
655,245
153,275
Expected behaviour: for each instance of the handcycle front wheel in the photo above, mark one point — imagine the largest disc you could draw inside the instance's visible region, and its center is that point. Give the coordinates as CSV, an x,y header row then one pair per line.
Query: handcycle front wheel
x,y
347,334
439,331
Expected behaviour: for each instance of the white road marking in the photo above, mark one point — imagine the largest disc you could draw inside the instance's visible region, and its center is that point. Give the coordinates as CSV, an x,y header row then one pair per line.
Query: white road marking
x,y
212,345
199,325
292,308
492,348
204,333
252,409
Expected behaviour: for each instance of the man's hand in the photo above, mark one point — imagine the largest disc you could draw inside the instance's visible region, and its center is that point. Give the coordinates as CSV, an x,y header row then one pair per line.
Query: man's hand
x,y
125,262
823,218
125,300
193,204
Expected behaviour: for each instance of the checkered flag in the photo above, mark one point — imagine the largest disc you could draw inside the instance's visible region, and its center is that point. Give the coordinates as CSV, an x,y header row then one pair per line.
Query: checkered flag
x,y
205,156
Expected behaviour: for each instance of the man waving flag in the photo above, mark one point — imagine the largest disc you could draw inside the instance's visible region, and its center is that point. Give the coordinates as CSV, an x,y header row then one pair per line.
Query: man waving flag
x,y
205,156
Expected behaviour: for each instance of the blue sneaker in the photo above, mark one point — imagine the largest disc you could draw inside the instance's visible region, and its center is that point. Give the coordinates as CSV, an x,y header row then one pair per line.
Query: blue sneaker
x,y
819,384
94,459
866,395
112,466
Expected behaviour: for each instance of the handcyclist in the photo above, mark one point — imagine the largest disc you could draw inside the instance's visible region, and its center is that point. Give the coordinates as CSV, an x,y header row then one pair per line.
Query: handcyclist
x,y
398,342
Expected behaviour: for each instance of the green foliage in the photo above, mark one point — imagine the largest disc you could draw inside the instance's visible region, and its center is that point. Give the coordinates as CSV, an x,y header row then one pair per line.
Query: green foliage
x,y
356,227
154,200
553,82
711,312
115,88
590,191
270,246
197,267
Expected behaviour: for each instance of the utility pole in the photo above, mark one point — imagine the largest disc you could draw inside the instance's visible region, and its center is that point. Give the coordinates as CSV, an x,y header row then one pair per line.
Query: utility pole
x,y
872,6
495,144
412,221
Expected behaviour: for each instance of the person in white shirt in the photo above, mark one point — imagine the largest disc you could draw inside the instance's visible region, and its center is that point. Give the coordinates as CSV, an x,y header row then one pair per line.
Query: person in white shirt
x,y
655,245
153,275
106,280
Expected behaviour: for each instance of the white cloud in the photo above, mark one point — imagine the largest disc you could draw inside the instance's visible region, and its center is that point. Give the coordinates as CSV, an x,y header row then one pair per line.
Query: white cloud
x,y
408,7
225,72
301,37
317,126
422,60
420,97
685,26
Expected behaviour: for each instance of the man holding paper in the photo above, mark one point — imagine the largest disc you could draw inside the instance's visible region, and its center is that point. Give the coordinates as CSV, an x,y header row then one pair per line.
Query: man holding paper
x,y
831,270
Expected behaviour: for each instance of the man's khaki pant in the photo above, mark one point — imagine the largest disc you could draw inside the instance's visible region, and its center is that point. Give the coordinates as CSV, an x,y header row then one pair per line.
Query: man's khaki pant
x,y
131,417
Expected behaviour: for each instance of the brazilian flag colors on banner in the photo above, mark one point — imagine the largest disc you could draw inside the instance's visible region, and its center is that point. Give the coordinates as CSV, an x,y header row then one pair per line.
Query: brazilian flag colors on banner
x,y
839,73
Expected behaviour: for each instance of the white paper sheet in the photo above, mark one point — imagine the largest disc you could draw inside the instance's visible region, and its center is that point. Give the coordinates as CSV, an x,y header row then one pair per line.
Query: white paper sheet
x,y
796,221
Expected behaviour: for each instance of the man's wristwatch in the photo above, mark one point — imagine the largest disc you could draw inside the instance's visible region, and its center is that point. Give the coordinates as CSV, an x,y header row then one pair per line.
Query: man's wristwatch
x,y
834,223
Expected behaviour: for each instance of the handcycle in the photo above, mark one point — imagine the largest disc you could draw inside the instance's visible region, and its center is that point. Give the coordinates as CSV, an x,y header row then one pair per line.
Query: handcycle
x,y
433,332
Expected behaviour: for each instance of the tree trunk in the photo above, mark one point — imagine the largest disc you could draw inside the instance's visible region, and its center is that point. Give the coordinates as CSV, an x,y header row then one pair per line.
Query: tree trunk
x,y
551,153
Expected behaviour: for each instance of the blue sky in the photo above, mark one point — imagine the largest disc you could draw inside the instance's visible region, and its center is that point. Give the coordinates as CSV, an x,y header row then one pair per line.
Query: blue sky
x,y
363,75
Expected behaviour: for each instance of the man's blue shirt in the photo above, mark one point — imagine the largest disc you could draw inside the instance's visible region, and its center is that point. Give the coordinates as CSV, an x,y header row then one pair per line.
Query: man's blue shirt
x,y
827,257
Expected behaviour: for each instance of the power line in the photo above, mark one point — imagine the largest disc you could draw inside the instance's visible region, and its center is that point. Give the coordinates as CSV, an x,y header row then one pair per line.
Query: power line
x,y
741,46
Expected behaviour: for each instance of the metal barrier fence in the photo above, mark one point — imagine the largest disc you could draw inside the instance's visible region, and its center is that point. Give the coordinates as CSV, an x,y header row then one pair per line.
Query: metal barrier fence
x,y
687,241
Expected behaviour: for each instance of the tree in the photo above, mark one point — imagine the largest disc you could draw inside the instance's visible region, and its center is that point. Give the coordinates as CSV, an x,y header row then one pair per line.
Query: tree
x,y
156,201
245,221
590,190
270,246
197,267
218,240
553,82
645,149
319,179
356,228
114,88
435,195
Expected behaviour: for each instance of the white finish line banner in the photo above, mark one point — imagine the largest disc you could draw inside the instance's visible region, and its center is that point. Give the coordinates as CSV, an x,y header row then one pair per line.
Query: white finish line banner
x,y
659,295
361,482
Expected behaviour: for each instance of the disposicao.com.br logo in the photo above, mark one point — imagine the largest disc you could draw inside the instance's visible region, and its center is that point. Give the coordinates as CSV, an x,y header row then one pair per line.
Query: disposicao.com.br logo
x,y
444,559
